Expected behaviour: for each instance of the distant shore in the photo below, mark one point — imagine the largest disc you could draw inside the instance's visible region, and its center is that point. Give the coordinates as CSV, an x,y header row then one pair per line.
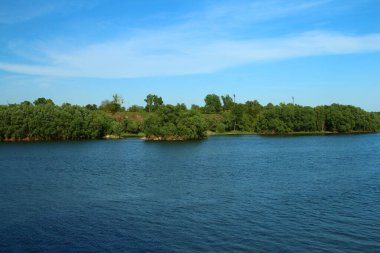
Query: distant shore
x,y
287,134
43,120
173,138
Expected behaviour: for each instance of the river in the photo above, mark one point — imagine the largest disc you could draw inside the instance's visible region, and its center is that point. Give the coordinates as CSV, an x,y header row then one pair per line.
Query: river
x,y
223,194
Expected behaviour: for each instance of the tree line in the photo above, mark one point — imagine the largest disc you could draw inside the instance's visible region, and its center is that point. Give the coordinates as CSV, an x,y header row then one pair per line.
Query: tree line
x,y
44,120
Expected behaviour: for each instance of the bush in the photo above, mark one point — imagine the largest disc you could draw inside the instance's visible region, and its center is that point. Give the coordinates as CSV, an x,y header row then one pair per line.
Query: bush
x,y
220,128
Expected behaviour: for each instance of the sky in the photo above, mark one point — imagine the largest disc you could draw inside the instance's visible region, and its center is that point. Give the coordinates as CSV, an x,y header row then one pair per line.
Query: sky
x,y
82,52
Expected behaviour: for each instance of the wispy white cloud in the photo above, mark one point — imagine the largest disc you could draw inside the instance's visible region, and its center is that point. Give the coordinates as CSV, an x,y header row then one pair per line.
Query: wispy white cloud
x,y
197,45
149,56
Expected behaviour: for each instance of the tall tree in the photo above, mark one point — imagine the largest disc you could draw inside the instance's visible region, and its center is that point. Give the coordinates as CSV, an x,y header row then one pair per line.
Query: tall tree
x,y
117,99
212,104
175,123
43,101
91,107
113,106
228,102
153,102
253,107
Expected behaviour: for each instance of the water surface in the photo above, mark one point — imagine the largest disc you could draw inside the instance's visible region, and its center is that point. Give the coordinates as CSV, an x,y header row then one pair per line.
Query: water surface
x,y
233,193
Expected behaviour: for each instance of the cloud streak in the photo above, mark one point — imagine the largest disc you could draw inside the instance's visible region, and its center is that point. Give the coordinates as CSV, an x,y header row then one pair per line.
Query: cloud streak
x,y
202,43
152,56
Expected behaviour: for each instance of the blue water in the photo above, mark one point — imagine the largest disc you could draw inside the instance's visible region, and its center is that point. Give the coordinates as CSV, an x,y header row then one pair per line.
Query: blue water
x,y
247,193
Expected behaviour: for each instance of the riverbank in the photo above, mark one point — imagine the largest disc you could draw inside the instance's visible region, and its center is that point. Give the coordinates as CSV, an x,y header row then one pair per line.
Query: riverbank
x,y
209,133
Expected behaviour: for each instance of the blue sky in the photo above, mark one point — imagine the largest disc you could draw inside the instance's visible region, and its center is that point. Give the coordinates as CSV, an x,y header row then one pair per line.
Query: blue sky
x,y
319,51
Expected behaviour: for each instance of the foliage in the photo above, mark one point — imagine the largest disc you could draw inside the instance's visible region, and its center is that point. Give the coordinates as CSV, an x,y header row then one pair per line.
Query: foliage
x,y
43,120
136,108
196,108
153,102
286,118
42,101
212,104
212,120
113,106
46,121
175,123
228,102
91,107
221,128
133,127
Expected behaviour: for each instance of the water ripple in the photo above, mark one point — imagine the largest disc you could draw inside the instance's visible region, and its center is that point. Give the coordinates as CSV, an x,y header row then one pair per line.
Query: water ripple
x,y
226,194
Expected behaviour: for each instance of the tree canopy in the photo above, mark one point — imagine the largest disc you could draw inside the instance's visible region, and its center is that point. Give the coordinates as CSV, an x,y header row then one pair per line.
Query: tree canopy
x,y
212,104
113,106
175,123
228,102
153,102
44,120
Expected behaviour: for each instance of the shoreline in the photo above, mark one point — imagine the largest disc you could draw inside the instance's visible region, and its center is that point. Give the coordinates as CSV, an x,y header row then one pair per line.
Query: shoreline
x,y
209,134
289,134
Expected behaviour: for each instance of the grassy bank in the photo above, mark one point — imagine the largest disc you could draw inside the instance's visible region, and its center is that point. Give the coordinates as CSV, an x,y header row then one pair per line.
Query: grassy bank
x,y
210,133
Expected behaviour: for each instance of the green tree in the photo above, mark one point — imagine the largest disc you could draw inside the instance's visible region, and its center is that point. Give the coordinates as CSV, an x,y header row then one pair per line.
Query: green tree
x,y
320,114
212,104
221,128
228,102
196,108
269,121
43,101
213,120
136,108
132,126
45,121
153,102
175,123
253,108
113,106
117,99
116,128
91,107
